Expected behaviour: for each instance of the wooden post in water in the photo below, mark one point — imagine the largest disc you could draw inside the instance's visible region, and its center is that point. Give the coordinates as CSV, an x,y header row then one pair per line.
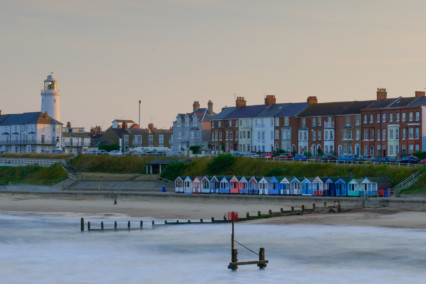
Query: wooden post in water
x,y
102,225
82,224
303,209
234,253
270,212
201,220
153,223
141,224
212,219
282,210
313,206
115,225
128,225
88,226
261,263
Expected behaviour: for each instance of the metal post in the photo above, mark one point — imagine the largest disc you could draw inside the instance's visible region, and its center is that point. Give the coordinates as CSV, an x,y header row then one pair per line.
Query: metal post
x,y
82,224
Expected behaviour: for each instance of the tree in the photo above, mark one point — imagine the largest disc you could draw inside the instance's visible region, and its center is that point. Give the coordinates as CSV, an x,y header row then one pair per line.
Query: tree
x,y
195,149
173,170
109,146
220,164
320,151
222,147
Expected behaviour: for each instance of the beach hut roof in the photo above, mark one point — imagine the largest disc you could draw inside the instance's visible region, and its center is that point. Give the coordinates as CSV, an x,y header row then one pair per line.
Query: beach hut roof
x,y
295,179
178,178
213,178
285,180
264,179
273,179
243,179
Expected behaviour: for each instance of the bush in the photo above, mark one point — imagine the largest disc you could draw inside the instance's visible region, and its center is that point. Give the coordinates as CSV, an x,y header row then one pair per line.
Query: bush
x,y
173,170
220,164
195,149
109,147
111,164
275,172
33,175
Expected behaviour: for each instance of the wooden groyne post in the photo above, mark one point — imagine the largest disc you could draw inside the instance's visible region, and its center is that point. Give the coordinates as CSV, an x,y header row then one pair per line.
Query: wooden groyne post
x,y
82,224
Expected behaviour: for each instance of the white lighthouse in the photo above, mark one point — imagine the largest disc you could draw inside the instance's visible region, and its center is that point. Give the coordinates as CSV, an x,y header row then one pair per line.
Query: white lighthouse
x,y
50,98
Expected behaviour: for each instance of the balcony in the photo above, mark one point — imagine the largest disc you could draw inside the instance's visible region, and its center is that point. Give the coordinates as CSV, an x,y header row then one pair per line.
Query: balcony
x,y
328,124
29,142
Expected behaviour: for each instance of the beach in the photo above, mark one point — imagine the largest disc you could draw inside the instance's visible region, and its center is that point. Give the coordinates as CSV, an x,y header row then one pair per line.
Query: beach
x,y
197,209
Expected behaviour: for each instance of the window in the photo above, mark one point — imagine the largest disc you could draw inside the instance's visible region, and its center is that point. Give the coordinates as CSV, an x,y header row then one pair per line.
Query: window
x,y
378,135
410,149
319,121
397,134
248,134
326,135
219,123
286,121
319,135
391,117
220,135
378,117
126,139
372,134
303,122
212,124
231,135
371,118
417,133
348,120
313,135
357,120
417,116
241,122
151,140
397,117
410,118
194,121
138,139
313,122
417,147
390,133
384,134
403,150
365,118
230,123
384,117
161,140
410,133
403,116
357,134
277,134
277,121
403,133
365,134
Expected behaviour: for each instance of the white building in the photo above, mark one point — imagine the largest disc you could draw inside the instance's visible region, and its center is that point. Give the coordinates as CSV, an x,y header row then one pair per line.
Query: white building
x,y
32,132
50,98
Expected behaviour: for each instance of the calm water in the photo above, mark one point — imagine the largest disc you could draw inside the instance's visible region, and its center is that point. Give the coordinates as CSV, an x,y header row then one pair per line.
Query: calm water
x,y
49,248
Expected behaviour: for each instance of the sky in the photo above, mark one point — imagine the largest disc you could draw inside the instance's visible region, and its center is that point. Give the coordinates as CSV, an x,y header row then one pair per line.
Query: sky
x,y
107,54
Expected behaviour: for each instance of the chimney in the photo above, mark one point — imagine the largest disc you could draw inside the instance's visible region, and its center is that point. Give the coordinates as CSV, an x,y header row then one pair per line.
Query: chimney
x,y
312,100
151,127
69,124
270,100
210,107
45,114
418,94
0,111
124,125
240,102
381,93
195,106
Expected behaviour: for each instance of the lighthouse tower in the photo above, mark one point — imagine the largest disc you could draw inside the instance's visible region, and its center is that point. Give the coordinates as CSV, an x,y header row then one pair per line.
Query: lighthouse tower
x,y
50,98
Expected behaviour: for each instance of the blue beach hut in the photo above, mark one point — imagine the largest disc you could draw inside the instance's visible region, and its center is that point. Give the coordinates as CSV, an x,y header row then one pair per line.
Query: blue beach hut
x,y
205,185
187,185
307,186
329,187
295,187
340,186
273,186
253,185
285,186
224,185
214,185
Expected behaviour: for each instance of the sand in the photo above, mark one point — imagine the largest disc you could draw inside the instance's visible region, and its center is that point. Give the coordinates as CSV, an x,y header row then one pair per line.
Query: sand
x,y
179,209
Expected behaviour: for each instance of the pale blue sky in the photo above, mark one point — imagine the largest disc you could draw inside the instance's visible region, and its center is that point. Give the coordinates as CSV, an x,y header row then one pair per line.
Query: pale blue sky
x,y
106,55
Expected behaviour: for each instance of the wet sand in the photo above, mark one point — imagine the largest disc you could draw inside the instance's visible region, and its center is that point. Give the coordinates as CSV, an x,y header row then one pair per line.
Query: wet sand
x,y
179,209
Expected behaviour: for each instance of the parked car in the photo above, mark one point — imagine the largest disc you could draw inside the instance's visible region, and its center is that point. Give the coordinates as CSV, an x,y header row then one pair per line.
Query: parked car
x,y
408,160
265,156
299,158
382,160
102,152
423,161
284,156
347,158
252,155
115,153
365,158
328,158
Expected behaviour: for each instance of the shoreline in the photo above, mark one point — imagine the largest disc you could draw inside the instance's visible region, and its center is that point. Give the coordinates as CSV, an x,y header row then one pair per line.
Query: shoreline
x,y
173,209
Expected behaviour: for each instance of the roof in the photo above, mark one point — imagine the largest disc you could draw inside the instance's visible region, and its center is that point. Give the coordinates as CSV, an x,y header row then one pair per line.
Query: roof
x,y
124,120
293,109
335,108
224,113
75,135
245,112
27,118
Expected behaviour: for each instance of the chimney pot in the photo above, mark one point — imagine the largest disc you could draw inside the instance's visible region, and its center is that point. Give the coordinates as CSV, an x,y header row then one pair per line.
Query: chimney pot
x,y
240,102
210,106
270,100
420,94
312,100
195,105
381,93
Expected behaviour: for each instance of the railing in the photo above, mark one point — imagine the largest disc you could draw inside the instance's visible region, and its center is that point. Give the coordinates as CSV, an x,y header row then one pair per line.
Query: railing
x,y
28,142
76,144
407,182
29,161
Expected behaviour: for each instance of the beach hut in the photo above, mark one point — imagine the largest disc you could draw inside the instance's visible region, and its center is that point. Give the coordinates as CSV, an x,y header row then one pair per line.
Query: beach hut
x,y
224,185
341,186
234,186
354,187
329,187
214,185
243,185
187,185
382,184
318,186
263,185
285,186
196,185
179,184
295,187
307,186
205,185
273,186
253,185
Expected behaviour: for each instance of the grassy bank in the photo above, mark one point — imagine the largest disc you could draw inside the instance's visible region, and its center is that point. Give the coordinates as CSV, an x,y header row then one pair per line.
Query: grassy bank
x,y
37,156
35,175
418,187
111,164
253,167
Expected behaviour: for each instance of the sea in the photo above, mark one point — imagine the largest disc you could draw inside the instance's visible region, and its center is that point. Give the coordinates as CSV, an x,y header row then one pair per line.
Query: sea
x,y
50,248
